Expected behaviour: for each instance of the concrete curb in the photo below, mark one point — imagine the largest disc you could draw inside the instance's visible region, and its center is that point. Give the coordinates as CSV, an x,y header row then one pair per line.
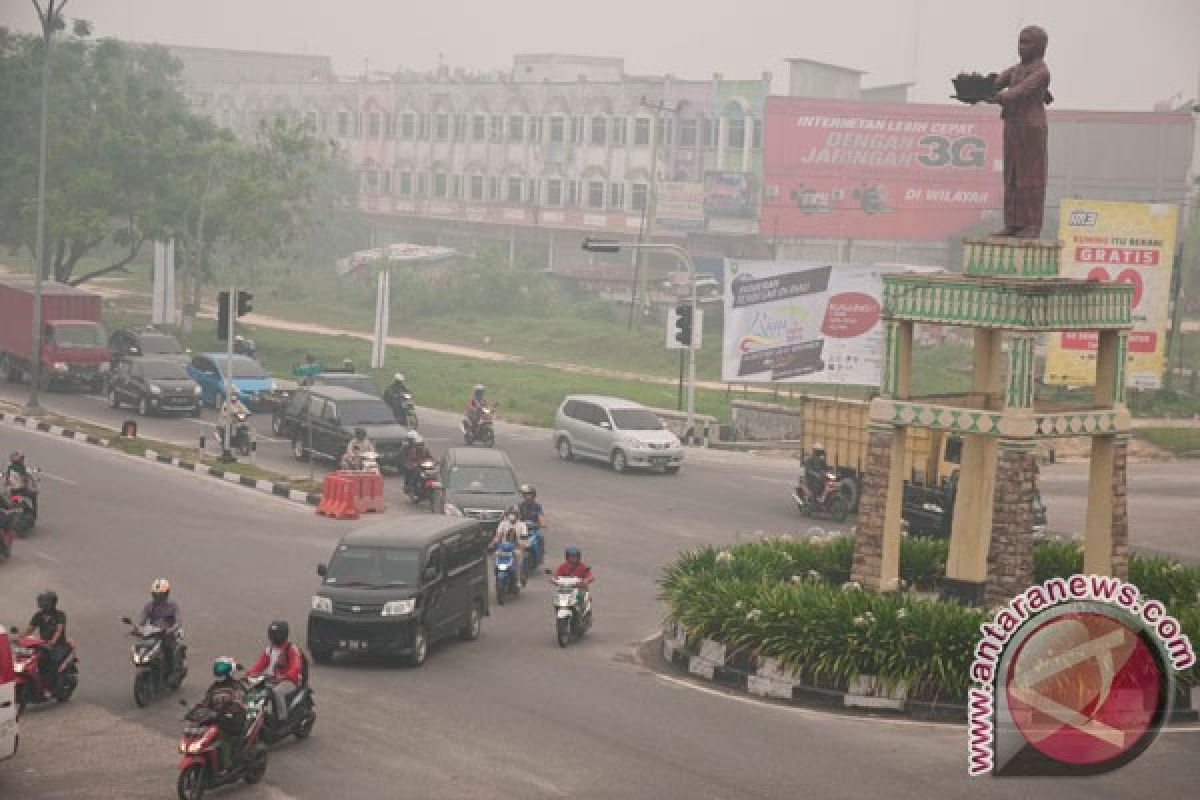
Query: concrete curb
x,y
280,490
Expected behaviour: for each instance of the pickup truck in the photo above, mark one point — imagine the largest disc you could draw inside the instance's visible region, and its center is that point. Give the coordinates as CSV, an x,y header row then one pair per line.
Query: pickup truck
x,y
73,348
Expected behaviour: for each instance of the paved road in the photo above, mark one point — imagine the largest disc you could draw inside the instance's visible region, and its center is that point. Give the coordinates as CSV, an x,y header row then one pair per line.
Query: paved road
x,y
511,715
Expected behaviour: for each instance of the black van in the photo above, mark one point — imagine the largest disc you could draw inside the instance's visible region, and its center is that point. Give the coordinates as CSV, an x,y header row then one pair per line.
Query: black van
x,y
394,586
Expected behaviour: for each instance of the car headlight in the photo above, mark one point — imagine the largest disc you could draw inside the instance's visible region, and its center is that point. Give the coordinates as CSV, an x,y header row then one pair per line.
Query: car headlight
x,y
196,389
155,389
320,603
274,386
19,666
197,746
399,608
453,510
59,366
633,444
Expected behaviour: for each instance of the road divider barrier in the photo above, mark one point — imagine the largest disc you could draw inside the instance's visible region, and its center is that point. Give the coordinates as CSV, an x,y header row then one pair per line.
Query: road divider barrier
x,y
368,491
338,497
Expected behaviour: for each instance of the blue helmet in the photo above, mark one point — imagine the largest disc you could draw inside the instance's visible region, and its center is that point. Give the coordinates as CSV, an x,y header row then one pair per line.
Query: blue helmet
x,y
223,667
574,551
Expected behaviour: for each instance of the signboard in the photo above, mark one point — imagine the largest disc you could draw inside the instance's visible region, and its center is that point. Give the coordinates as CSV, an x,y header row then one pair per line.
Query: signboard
x,y
401,252
730,194
1129,242
789,321
836,168
679,205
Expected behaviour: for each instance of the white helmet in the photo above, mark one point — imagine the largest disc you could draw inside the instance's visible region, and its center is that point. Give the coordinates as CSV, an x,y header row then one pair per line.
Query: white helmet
x,y
417,439
411,436
399,376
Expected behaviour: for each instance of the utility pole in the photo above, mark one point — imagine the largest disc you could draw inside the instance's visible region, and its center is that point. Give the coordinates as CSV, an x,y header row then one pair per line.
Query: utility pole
x,y
648,213
50,17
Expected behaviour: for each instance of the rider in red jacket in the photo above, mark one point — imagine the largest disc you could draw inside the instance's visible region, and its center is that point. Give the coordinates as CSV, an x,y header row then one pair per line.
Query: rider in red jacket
x,y
285,664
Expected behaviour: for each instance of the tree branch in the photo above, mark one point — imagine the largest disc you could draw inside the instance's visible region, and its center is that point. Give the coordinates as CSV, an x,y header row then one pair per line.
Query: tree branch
x,y
119,266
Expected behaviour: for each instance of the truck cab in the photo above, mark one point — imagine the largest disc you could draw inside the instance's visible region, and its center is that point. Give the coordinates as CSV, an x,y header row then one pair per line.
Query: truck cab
x,y
75,352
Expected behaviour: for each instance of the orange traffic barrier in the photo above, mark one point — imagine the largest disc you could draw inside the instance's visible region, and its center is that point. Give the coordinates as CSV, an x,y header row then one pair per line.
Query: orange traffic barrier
x,y
337,497
370,492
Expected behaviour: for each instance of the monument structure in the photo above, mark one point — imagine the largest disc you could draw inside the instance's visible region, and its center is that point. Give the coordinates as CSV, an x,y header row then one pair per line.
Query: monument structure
x,y
1009,293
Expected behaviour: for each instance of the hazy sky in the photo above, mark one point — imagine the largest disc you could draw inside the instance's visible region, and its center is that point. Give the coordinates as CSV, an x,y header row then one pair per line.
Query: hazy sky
x,y
1104,54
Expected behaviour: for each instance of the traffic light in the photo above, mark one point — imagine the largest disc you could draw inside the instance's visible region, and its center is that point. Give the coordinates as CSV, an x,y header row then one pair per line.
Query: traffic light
x,y
223,316
683,324
244,307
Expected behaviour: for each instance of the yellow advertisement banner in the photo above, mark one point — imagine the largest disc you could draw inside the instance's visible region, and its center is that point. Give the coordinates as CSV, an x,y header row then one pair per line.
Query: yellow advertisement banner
x,y
1129,242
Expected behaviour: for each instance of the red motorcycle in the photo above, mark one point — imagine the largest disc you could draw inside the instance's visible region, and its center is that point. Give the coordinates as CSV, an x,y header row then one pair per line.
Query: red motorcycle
x,y
200,767
32,686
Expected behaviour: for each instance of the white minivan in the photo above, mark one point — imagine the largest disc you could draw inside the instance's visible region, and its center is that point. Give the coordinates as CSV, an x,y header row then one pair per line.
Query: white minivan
x,y
620,432
8,700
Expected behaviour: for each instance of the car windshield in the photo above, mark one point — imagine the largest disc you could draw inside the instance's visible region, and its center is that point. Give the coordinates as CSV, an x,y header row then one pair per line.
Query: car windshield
x,y
165,372
373,566
244,368
78,336
636,419
160,345
359,383
481,480
365,412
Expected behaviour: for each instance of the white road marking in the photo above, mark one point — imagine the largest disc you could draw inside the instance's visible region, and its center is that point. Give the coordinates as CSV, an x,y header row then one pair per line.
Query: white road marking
x,y
44,556
59,478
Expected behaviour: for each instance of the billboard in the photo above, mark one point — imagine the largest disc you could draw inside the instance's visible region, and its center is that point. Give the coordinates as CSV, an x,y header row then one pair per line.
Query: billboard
x,y
843,169
679,205
1128,242
791,321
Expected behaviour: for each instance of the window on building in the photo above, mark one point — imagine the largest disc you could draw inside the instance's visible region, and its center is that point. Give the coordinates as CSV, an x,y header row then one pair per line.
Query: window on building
x,y
479,127
439,184
516,128
595,197
514,190
599,131
375,125
637,197
310,119
372,182
387,181
408,125
497,131
641,132
477,187
441,129
553,192
343,124
616,196
557,130
405,181
687,132
735,133
573,193
663,132
619,126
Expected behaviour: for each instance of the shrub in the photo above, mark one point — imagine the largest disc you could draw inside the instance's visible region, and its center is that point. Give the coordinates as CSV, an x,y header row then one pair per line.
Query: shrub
x,y
1056,558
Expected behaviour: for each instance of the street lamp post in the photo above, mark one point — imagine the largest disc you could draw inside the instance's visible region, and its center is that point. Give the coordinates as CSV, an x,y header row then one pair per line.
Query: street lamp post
x,y
593,245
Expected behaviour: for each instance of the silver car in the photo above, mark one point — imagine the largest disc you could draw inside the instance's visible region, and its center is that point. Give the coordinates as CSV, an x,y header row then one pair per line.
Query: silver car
x,y
618,431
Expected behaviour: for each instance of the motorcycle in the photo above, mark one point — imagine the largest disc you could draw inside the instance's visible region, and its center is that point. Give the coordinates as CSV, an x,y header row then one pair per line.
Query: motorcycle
x,y
508,581
32,687
301,716
154,676
572,609
426,486
405,410
535,549
245,347
240,440
483,431
23,499
832,500
363,462
200,767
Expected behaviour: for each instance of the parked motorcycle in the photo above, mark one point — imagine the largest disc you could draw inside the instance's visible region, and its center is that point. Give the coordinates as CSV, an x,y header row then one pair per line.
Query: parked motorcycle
x,y
832,500
426,487
483,431
241,439
32,687
509,577
572,610
23,499
154,676
200,767
301,716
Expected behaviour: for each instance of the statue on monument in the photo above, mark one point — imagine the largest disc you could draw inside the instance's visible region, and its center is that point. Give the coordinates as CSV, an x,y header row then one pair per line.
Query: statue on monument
x,y
1022,91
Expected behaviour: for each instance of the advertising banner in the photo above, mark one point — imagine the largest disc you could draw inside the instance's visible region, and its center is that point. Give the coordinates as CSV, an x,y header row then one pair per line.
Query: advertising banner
x,y
730,194
1128,242
789,321
679,205
879,171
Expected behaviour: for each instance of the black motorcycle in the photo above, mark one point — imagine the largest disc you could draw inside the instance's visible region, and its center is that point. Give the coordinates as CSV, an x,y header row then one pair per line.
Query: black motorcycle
x,y
426,487
481,431
23,500
301,712
240,440
831,501
154,676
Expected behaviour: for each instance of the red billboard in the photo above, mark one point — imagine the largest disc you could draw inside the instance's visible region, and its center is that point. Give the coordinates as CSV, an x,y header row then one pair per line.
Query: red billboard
x,y
845,169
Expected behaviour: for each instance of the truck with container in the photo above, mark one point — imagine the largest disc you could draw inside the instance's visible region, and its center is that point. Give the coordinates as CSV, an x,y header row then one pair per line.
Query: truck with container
x,y
72,347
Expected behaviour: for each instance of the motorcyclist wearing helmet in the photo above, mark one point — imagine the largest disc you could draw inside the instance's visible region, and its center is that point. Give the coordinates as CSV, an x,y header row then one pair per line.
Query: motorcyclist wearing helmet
x,y
573,567
164,613
414,454
815,470
357,447
226,697
50,624
284,664
530,510
511,529
18,480
393,395
475,405
230,409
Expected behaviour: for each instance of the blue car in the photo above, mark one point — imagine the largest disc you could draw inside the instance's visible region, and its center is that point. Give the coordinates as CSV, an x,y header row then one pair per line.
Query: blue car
x,y
209,370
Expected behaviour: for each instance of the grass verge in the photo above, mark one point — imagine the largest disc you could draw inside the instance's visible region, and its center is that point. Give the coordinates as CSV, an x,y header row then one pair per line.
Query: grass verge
x,y
1183,442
